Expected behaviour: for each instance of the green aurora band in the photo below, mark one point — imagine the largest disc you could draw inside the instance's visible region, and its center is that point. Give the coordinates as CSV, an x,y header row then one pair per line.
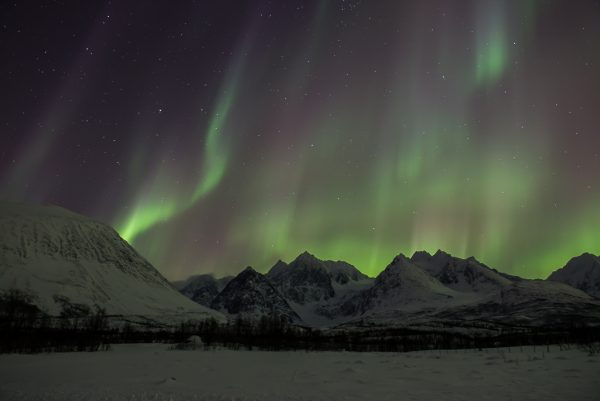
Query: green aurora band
x,y
449,188
155,207
353,130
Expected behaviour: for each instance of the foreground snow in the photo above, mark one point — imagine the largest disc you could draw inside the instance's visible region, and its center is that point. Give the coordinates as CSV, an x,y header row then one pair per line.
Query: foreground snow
x,y
151,372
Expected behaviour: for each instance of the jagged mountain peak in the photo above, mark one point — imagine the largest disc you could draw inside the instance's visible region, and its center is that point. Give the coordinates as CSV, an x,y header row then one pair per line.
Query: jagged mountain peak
x,y
439,253
308,279
302,281
400,259
339,270
586,261
278,268
439,257
249,274
401,285
306,259
402,268
250,294
420,255
584,258
465,275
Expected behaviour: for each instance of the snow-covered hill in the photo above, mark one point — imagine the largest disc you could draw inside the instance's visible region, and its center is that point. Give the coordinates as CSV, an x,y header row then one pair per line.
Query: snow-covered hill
x,y
581,272
72,264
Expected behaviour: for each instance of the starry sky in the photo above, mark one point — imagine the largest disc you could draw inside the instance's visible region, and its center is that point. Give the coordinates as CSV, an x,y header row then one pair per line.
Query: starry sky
x,y
218,134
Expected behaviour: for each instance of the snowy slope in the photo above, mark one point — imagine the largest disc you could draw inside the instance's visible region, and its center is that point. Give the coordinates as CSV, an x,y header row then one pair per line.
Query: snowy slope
x,y
529,303
251,295
581,272
64,259
532,290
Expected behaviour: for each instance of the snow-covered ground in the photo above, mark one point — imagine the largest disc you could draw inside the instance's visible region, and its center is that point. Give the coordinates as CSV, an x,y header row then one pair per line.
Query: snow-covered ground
x,y
151,372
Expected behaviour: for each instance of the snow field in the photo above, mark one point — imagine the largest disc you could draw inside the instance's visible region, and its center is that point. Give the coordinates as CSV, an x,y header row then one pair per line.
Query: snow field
x,y
152,372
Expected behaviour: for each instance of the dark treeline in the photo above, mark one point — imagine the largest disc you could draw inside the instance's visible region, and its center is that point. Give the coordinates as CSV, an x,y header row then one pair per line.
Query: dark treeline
x,y
272,333
25,329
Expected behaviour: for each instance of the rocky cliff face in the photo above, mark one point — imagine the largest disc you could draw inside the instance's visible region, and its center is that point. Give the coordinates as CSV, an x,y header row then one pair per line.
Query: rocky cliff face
x,y
303,281
251,295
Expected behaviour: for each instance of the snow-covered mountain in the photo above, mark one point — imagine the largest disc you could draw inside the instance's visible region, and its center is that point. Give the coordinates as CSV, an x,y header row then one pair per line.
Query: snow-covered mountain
x,y
312,288
315,288
425,289
581,272
401,286
251,295
465,275
71,264
303,281
202,288
442,290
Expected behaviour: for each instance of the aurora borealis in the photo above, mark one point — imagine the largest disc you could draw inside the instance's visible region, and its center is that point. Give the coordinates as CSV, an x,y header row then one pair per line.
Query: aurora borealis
x,y
215,135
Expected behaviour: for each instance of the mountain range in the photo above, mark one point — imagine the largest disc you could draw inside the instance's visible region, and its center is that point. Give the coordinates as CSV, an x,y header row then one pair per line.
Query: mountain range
x,y
422,290
70,265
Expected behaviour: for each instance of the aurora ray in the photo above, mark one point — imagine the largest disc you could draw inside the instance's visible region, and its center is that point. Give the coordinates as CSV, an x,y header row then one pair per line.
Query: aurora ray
x,y
215,154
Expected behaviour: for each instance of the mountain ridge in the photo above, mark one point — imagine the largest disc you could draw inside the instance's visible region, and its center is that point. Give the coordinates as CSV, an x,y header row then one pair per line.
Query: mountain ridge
x,y
424,286
72,264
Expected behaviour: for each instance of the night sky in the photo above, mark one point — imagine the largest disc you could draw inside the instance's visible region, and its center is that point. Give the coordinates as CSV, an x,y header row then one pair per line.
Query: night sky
x,y
218,134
